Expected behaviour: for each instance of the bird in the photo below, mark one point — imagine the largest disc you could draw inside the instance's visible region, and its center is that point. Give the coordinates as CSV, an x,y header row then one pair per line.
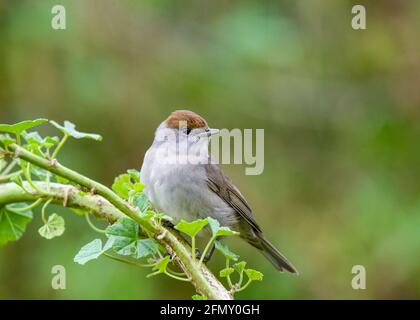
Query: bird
x,y
182,180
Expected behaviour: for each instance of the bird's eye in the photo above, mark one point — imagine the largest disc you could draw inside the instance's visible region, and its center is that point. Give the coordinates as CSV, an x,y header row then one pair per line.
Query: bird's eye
x,y
188,130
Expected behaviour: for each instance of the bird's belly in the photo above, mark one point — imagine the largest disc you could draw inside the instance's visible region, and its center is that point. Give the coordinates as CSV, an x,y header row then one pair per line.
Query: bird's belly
x,y
187,198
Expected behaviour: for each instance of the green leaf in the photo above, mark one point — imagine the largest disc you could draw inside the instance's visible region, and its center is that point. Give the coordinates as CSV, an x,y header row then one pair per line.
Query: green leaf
x,y
17,128
218,231
70,129
191,228
88,252
160,267
33,138
53,228
49,142
239,267
124,227
226,272
198,297
225,251
123,186
134,174
214,225
13,223
126,240
125,232
40,173
146,247
142,202
148,215
254,275
162,216
226,231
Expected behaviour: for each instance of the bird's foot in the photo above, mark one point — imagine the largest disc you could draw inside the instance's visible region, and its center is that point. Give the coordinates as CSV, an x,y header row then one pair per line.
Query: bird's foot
x,y
197,254
167,224
208,255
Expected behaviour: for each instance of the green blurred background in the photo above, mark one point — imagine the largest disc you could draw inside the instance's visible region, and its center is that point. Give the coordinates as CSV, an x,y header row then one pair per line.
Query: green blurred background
x,y
340,109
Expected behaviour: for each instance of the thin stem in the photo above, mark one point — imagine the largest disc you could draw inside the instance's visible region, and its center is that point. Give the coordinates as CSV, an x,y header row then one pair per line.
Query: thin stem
x,y
228,276
9,167
27,174
128,262
241,278
60,145
245,285
175,272
30,207
10,175
44,207
18,140
206,249
92,226
193,248
176,277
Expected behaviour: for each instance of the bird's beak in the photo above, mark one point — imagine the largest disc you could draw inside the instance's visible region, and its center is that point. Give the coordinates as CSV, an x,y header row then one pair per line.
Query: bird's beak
x,y
210,132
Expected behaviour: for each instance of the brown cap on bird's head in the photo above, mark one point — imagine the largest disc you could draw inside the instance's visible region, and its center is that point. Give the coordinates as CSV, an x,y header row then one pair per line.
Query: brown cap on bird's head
x,y
185,117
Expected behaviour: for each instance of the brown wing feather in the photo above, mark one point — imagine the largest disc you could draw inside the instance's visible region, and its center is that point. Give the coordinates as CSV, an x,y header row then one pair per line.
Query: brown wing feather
x,y
220,184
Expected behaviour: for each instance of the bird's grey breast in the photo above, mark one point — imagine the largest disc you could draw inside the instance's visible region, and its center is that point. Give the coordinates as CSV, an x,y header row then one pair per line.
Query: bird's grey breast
x,y
181,190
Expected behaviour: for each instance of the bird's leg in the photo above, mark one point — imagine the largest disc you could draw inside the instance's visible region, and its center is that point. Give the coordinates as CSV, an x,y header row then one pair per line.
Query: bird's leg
x,y
167,224
209,254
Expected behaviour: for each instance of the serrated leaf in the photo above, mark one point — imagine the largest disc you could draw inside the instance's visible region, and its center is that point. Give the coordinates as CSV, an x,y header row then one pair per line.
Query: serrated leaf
x,y
88,252
49,142
142,202
126,241
198,297
148,215
123,185
225,251
54,227
218,231
13,223
34,138
254,275
134,174
124,227
17,128
226,272
70,129
162,264
146,247
191,228
239,267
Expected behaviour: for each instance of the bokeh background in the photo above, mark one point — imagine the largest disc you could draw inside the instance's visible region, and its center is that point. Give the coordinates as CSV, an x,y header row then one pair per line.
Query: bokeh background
x,y
340,109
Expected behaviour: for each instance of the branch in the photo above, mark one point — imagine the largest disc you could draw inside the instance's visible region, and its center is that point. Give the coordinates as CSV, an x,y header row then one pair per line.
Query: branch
x,y
110,206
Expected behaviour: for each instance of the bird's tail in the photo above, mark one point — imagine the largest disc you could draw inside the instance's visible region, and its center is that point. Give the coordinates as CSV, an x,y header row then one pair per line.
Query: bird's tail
x,y
278,260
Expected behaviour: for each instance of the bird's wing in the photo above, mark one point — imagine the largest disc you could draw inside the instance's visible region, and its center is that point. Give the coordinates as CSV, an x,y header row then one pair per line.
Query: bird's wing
x,y
220,184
